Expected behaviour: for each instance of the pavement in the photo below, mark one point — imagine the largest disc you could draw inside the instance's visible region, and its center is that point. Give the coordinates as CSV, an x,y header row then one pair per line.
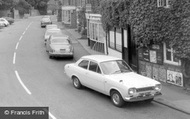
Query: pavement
x,y
172,96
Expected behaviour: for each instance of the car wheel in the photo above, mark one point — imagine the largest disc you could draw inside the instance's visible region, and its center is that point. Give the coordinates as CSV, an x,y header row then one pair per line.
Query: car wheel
x,y
149,100
117,99
76,83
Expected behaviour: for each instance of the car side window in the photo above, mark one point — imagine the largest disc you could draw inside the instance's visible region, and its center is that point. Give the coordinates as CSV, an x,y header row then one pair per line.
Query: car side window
x,y
94,67
83,64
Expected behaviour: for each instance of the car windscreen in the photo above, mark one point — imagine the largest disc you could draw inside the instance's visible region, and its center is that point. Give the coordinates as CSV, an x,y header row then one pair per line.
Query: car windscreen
x,y
59,41
114,66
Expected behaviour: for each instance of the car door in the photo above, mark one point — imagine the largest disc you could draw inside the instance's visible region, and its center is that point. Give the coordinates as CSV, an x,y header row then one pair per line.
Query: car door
x,y
81,72
95,77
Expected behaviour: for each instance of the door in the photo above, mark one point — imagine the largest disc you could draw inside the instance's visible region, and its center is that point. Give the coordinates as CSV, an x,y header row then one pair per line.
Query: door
x,y
132,50
95,77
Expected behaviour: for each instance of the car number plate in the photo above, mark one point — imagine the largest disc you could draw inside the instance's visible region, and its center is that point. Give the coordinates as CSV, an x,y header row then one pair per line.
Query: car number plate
x,y
62,50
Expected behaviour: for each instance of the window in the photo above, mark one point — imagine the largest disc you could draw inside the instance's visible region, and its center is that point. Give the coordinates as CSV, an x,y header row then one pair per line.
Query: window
x,y
163,3
169,55
94,67
83,64
118,40
115,39
111,39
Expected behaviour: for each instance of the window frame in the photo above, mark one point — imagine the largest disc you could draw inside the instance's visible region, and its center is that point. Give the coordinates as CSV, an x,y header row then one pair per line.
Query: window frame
x,y
81,62
163,3
172,57
97,66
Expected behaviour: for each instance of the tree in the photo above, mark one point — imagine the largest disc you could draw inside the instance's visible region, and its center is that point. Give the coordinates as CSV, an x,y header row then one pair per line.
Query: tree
x,y
41,5
23,7
151,24
6,4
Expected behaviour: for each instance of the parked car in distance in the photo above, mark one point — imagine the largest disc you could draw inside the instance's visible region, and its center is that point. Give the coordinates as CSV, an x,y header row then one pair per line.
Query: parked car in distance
x,y
50,26
46,16
1,25
9,19
50,32
113,77
45,21
59,46
6,23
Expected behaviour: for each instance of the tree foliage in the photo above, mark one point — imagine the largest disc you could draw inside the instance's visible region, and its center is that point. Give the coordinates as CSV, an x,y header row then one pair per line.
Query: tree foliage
x,y
151,24
6,4
82,17
41,5
23,7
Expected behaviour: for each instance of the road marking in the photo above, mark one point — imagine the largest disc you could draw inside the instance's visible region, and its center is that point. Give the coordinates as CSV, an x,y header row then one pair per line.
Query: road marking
x,y
51,115
19,79
14,57
17,45
30,24
20,38
23,33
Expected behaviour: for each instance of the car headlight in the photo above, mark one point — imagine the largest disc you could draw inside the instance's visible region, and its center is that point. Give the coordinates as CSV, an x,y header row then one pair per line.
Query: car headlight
x,y
132,91
158,87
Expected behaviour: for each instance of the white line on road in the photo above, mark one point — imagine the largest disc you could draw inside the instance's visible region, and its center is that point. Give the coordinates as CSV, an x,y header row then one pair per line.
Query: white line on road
x,y
29,24
23,33
20,38
51,115
14,57
17,45
19,79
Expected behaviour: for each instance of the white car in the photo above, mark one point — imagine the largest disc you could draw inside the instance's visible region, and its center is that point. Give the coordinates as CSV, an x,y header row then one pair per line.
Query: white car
x,y
3,20
50,26
113,77
50,32
1,25
59,46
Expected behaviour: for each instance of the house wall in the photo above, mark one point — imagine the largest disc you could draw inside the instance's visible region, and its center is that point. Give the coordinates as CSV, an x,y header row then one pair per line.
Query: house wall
x,y
95,33
114,53
152,64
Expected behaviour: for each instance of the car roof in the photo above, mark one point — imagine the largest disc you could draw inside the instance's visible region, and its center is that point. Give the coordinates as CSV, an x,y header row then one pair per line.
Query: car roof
x,y
51,25
100,58
60,35
54,29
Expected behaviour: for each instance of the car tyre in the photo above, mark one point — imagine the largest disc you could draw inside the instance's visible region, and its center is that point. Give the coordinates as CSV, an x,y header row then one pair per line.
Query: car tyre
x,y
117,99
76,83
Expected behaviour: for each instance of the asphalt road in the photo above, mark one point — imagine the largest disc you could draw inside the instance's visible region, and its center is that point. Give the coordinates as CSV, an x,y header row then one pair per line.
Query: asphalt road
x,y
29,78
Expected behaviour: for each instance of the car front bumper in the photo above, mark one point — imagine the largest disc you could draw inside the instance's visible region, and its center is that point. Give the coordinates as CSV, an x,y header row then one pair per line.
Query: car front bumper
x,y
142,96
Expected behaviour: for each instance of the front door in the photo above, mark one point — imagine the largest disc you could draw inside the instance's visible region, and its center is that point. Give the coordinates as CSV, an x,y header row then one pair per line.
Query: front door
x,y
130,49
95,77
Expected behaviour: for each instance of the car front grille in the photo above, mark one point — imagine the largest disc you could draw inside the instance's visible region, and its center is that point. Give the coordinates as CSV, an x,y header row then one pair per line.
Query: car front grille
x,y
145,89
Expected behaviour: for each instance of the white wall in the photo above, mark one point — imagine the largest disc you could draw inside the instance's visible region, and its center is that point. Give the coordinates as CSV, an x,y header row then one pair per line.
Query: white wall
x,y
114,53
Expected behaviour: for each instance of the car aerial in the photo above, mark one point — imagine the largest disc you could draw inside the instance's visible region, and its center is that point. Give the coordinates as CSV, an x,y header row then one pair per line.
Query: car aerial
x,y
59,46
113,77
45,21
9,19
52,31
5,22
50,26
